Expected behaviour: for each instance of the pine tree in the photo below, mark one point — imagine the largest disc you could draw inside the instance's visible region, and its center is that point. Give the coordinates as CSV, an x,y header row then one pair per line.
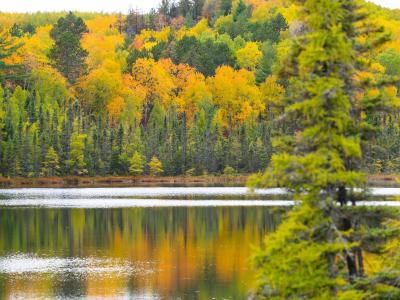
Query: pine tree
x,y
137,163
51,164
310,253
155,166
76,165
67,53
8,46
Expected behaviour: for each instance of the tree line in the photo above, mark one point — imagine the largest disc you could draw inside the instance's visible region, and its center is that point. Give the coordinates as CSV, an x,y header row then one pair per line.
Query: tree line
x,y
192,88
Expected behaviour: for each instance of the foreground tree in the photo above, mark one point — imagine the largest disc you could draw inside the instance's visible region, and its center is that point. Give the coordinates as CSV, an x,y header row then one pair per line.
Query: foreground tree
x,y
67,53
315,254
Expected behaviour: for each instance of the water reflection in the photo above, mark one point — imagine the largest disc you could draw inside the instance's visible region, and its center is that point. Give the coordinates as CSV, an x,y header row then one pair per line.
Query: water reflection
x,y
147,253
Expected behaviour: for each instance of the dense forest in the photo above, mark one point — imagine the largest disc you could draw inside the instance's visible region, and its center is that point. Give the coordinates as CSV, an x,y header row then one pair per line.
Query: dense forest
x,y
192,87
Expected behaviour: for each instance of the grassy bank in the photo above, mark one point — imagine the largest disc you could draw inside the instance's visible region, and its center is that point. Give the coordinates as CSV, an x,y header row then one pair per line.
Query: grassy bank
x,y
380,180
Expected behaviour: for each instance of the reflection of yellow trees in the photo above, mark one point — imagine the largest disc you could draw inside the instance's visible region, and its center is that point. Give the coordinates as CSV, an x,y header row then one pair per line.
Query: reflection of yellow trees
x,y
185,247
38,286
166,264
110,285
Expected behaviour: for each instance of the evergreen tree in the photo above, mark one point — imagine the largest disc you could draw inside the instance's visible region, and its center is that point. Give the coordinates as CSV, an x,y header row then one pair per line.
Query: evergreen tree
x,y
8,46
51,164
226,6
76,165
137,163
313,250
197,8
67,53
155,166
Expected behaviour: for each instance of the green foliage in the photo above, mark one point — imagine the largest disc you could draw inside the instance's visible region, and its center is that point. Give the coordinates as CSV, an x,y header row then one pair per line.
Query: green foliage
x,y
238,24
51,164
390,59
76,164
193,123
225,6
206,56
19,30
137,163
67,53
155,166
229,171
269,30
294,261
310,253
8,46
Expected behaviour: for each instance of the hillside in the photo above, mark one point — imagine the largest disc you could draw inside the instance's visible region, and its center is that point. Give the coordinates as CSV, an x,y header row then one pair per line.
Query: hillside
x,y
190,88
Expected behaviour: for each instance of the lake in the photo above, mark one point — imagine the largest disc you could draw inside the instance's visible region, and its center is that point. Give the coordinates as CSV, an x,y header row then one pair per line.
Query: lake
x,y
142,243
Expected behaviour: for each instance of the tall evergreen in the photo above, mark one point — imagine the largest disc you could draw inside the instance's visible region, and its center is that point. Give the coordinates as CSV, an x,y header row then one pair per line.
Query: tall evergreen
x,y
67,53
315,253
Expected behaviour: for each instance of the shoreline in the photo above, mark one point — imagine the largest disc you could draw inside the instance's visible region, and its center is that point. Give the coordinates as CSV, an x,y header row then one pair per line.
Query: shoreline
x,y
122,181
380,180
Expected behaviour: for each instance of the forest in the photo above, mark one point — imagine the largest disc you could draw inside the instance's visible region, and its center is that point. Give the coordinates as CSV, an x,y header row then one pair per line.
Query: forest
x,y
303,94
189,88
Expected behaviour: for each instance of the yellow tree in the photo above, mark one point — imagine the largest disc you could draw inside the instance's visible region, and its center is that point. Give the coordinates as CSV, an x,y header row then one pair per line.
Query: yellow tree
x,y
236,95
272,94
33,53
101,42
193,92
155,166
107,90
249,57
156,83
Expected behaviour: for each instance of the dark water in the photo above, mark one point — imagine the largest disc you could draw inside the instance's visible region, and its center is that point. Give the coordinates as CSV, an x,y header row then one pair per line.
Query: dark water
x,y
58,243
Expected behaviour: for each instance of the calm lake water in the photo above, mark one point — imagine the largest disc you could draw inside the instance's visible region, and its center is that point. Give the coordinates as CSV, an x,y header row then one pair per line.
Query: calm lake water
x,y
142,243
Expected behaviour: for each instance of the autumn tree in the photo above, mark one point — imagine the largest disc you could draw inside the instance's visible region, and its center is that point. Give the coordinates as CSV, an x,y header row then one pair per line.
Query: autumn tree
x,y
198,93
8,46
51,164
137,163
155,166
312,251
67,53
249,57
235,94
76,164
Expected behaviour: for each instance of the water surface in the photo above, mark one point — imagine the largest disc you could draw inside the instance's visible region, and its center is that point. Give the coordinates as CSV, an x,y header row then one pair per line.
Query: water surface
x,y
126,243
142,243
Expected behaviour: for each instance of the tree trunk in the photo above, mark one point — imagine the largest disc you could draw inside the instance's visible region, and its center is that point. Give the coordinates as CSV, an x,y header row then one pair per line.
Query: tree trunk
x,y
360,261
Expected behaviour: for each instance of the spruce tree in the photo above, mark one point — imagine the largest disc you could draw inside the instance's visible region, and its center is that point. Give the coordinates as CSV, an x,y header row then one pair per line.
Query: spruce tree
x,y
67,53
137,163
76,165
314,253
51,164
8,46
155,166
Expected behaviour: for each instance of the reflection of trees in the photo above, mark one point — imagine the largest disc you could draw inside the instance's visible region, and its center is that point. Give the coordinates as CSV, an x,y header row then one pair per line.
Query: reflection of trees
x,y
192,247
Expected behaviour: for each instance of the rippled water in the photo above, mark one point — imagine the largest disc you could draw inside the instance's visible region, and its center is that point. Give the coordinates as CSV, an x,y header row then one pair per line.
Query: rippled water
x,y
161,197
140,243
136,192
31,264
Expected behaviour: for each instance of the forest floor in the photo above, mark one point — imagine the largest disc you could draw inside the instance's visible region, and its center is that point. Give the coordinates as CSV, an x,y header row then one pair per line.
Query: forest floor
x,y
381,180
